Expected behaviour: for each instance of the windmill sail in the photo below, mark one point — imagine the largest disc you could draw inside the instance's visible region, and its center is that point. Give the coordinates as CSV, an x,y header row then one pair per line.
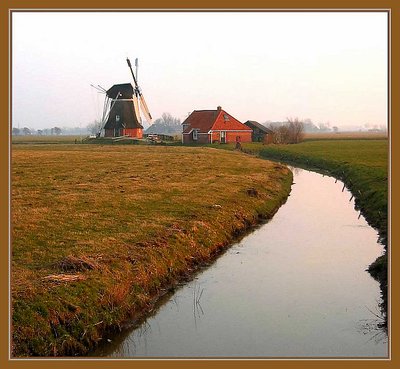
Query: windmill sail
x,y
136,107
145,109
138,94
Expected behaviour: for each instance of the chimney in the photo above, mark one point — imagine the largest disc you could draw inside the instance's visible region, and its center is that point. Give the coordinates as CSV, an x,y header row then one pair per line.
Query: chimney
x,y
219,108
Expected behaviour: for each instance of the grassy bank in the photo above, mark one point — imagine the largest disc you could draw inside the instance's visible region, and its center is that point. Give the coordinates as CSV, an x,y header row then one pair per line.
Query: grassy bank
x,y
362,164
100,232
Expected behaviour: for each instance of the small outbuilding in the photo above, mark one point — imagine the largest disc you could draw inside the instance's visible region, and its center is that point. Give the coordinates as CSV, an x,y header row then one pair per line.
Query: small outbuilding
x,y
214,126
260,132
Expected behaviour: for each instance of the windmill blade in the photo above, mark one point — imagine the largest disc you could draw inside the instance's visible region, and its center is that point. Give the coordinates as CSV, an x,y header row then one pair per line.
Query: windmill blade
x,y
109,111
98,89
145,109
139,94
133,75
136,106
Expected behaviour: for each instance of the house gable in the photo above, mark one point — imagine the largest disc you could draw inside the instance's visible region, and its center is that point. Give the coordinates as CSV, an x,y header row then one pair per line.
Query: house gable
x,y
226,122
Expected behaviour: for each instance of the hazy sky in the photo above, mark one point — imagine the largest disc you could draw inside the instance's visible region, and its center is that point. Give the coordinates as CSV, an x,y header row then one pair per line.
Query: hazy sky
x,y
258,66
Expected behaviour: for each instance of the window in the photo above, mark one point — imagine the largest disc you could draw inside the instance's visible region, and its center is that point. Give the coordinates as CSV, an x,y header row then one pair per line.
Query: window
x,y
117,118
195,132
226,117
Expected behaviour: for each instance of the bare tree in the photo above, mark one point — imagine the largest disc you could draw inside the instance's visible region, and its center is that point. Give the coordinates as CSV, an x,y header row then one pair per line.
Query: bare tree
x,y
94,127
26,131
16,131
291,131
168,120
167,124
296,130
324,127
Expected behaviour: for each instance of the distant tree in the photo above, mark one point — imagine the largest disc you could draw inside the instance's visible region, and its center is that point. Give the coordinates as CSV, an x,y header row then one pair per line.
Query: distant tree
x,y
40,132
94,127
167,124
168,120
26,131
335,129
16,131
324,127
309,126
57,130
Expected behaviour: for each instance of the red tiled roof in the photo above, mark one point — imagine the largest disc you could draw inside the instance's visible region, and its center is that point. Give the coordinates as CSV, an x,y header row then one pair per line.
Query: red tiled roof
x,y
201,119
205,120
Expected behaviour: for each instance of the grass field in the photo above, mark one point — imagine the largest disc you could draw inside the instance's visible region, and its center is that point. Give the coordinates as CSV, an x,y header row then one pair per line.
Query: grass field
x,y
54,139
346,136
99,232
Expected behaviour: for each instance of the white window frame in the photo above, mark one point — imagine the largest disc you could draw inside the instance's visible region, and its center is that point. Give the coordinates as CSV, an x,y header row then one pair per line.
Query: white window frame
x,y
195,134
222,137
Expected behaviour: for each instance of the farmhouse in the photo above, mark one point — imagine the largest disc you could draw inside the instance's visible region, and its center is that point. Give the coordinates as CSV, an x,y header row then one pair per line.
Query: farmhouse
x,y
209,126
122,119
260,132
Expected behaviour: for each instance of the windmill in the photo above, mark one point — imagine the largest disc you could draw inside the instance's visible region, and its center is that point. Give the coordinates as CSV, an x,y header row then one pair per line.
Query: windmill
x,y
121,110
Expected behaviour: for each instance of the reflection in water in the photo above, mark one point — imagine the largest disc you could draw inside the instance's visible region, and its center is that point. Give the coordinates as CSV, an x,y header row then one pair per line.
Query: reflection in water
x,y
197,309
295,287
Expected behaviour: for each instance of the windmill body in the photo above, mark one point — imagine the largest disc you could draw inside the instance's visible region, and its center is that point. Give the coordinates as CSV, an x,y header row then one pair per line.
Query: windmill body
x,y
122,119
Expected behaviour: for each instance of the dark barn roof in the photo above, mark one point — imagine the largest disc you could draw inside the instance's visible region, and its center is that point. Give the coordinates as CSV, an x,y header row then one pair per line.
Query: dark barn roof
x,y
253,124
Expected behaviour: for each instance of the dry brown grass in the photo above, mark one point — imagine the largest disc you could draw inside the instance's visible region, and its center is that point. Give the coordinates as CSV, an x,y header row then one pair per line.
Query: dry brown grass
x,y
107,228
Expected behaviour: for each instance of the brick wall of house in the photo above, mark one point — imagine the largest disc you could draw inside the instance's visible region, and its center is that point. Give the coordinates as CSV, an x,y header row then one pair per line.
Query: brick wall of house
x,y
243,136
215,137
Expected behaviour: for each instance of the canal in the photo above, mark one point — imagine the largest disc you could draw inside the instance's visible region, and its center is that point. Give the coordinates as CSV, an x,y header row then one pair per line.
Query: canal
x,y
296,286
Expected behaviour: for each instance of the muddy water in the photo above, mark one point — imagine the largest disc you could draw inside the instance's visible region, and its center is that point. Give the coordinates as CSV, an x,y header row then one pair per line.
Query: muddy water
x,y
295,287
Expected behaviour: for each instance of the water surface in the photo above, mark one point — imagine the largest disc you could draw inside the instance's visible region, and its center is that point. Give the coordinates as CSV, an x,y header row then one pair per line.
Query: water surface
x,y
295,287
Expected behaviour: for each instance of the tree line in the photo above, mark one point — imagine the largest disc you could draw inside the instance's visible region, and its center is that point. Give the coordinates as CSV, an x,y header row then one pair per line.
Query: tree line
x,y
40,132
